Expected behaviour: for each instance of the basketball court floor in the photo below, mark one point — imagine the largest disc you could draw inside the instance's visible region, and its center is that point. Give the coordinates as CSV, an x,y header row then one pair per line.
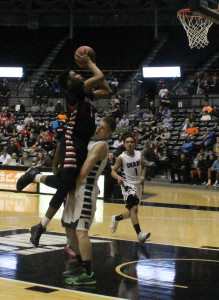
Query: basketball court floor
x,y
179,261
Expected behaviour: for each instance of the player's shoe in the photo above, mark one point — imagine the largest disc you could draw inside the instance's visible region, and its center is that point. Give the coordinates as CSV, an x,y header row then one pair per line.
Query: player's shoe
x,y
114,224
69,252
36,232
208,184
215,184
77,271
142,237
82,279
27,178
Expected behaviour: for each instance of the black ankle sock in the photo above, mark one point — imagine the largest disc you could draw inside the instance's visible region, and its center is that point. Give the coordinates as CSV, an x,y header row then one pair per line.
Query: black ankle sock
x,y
137,228
86,264
119,218
79,259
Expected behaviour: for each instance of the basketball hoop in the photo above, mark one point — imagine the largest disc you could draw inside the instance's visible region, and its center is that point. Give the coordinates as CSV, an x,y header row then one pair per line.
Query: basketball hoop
x,y
196,28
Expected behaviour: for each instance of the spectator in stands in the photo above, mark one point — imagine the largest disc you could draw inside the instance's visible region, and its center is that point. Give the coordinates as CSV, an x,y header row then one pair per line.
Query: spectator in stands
x,y
148,134
215,168
59,107
206,116
124,122
30,141
165,100
165,112
118,142
21,140
150,158
11,147
20,126
25,160
137,112
182,170
114,84
168,121
157,133
198,173
36,129
151,107
4,93
12,117
165,135
208,138
40,160
28,118
4,157
147,115
215,112
209,163
187,147
115,113
191,117
4,118
47,126
140,128
185,125
207,108
62,116
35,107
192,130
163,91
51,108
55,124
151,121
8,129
109,182
24,131
60,130
42,108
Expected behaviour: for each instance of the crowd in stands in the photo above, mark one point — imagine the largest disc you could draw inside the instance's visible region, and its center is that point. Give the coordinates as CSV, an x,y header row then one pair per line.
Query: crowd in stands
x,y
183,143
30,138
207,83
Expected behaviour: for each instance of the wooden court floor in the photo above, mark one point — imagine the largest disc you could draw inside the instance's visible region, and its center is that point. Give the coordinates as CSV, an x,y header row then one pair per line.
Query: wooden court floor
x,y
180,260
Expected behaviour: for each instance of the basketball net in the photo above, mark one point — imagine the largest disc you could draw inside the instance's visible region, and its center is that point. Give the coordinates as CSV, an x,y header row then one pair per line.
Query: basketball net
x,y
196,28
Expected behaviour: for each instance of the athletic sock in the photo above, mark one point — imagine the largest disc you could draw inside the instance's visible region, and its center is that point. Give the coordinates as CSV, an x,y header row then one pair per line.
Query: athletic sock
x,y
119,218
37,178
45,221
86,264
137,228
79,259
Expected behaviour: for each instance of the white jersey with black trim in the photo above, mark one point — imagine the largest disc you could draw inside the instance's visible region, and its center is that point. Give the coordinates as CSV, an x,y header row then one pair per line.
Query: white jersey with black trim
x,y
131,167
100,166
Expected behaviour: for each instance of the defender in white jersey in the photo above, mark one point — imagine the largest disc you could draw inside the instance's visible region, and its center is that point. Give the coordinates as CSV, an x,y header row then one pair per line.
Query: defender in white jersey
x,y
80,209
133,168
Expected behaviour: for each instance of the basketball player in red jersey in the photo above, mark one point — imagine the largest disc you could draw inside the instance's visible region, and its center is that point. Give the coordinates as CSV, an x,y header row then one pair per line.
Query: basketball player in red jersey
x,y
72,150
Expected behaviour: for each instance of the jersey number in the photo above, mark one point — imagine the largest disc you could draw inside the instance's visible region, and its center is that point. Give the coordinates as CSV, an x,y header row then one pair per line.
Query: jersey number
x,y
136,171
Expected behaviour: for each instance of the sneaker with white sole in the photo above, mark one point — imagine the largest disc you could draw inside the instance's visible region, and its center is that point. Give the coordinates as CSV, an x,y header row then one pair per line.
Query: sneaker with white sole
x,y
142,237
114,224
215,184
83,279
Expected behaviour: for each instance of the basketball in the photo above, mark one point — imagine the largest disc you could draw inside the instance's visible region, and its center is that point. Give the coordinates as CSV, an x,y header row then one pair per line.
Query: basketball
x,y
86,49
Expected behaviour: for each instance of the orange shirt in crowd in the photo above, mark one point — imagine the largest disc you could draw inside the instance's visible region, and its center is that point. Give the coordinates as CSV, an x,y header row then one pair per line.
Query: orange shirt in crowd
x,y
191,130
208,108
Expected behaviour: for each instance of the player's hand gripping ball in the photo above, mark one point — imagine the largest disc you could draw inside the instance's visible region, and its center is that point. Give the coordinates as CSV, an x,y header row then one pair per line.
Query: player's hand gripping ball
x,y
81,51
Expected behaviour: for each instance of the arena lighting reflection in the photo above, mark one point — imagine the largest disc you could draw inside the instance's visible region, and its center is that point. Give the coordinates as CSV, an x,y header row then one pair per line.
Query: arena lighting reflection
x,y
156,271
8,260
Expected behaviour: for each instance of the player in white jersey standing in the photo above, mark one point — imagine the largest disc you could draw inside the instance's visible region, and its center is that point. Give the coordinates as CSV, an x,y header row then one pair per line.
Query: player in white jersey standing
x,y
78,214
133,168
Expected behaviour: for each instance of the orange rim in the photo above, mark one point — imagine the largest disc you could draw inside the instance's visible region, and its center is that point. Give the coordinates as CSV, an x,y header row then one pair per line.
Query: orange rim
x,y
187,12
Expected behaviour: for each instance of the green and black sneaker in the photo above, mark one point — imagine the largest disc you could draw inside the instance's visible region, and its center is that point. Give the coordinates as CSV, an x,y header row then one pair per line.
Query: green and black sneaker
x,y
82,279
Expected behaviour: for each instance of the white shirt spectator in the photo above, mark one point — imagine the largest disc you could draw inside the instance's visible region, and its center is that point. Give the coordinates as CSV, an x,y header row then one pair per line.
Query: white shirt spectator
x,y
206,117
163,92
4,158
